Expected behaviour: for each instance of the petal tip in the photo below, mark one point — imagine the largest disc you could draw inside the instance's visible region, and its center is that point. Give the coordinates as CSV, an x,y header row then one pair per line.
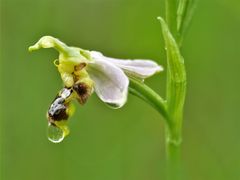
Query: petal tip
x,y
160,68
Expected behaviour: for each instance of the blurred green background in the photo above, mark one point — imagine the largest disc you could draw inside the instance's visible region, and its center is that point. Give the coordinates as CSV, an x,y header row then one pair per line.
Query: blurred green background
x,y
125,144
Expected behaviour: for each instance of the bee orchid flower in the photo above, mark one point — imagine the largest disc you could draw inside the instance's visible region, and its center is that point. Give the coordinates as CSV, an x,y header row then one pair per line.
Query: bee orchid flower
x,y
84,72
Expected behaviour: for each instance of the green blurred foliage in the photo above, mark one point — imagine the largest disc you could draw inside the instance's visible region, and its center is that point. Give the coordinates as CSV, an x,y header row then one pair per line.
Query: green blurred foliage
x,y
125,144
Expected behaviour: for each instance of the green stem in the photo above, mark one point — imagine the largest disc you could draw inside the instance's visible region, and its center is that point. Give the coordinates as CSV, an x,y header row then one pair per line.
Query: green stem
x,y
173,158
145,93
173,144
176,89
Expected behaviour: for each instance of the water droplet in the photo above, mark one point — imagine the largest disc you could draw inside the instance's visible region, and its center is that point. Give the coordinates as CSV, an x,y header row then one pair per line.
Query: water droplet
x,y
55,134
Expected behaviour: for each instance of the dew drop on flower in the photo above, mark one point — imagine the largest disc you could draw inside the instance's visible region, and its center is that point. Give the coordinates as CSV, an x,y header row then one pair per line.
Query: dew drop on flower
x,y
55,134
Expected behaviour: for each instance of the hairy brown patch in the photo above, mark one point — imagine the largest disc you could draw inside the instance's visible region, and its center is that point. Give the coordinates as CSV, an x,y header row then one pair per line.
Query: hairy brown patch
x,y
82,91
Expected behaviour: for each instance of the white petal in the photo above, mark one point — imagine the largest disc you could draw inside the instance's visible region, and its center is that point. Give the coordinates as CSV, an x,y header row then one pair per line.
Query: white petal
x,y
110,82
137,68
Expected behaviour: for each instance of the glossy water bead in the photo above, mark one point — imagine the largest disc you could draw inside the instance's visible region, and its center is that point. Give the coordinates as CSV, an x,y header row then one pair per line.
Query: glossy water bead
x,y
55,134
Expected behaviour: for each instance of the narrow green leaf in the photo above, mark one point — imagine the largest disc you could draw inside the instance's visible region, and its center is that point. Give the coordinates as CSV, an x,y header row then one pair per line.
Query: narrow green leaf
x,y
181,12
189,14
185,13
175,59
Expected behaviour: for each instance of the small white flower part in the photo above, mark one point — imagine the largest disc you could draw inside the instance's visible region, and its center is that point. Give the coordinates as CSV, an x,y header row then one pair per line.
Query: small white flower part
x,y
111,83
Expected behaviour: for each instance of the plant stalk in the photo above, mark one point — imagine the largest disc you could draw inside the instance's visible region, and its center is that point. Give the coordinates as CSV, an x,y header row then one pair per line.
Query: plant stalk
x,y
173,151
145,93
176,90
